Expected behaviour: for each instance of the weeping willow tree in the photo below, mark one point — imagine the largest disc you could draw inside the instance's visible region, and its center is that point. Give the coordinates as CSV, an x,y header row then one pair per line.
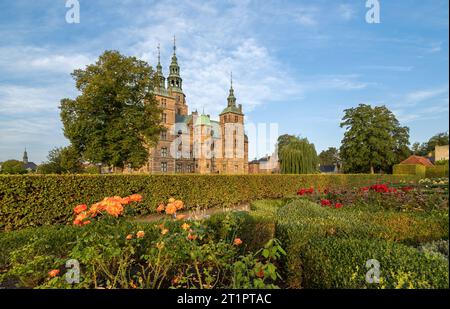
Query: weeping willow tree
x,y
298,157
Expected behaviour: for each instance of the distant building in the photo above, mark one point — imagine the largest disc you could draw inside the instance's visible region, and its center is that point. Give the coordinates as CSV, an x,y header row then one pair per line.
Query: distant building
x,y
29,166
417,160
265,165
440,153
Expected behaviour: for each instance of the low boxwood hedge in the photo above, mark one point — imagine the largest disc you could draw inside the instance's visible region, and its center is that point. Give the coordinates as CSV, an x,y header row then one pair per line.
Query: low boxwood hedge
x,y
301,224
341,263
33,200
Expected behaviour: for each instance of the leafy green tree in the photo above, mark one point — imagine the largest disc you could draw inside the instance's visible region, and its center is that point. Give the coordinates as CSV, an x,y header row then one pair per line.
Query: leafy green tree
x,y
329,156
13,167
426,148
62,160
297,155
116,117
373,140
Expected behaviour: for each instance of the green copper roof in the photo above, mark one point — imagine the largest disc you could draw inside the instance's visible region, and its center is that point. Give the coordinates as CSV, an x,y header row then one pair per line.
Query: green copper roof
x,y
203,120
231,109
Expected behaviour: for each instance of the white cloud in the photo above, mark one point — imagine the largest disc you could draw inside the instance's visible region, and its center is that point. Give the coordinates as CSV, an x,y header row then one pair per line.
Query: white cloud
x,y
346,12
427,94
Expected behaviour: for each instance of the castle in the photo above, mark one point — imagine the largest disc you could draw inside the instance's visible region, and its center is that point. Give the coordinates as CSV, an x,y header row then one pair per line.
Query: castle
x,y
194,143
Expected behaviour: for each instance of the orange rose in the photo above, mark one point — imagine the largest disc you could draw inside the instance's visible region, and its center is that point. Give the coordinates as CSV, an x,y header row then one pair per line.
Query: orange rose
x,y
80,208
164,231
171,209
79,219
191,237
114,209
86,222
160,208
129,236
53,273
237,241
95,209
260,273
178,204
135,197
125,200
185,226
171,200
140,234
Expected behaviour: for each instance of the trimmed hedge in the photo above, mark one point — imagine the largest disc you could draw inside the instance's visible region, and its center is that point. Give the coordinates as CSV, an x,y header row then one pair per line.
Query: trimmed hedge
x,y
410,169
34,200
437,171
341,263
303,225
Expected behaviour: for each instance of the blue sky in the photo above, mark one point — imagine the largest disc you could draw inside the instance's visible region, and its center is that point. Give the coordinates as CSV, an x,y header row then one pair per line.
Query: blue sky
x,y
295,63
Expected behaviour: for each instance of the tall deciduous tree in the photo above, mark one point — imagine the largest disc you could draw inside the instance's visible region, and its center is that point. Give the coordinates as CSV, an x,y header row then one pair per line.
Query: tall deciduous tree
x,y
374,139
329,156
296,155
62,160
424,149
13,167
115,118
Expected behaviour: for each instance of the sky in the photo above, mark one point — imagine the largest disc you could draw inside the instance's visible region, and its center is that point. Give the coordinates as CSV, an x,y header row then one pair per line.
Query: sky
x,y
297,64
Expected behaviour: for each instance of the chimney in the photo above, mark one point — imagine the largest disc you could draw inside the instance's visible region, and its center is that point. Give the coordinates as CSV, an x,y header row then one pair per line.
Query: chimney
x,y
240,107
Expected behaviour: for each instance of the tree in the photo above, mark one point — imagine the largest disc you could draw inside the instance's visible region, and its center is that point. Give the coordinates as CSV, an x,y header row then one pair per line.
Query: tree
x,y
13,167
329,156
373,140
62,160
424,149
296,155
116,117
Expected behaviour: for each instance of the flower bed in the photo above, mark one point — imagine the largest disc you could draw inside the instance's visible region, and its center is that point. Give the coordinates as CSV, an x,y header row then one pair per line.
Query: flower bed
x,y
115,253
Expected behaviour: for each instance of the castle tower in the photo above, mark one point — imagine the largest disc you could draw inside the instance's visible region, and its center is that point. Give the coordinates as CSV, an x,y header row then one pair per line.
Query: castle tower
x,y
175,84
234,143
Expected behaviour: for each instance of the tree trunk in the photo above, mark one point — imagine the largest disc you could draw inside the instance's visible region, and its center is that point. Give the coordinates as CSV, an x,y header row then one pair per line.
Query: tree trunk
x,y
371,169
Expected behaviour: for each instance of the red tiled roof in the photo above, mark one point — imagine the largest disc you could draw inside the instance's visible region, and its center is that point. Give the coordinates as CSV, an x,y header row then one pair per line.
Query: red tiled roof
x,y
417,160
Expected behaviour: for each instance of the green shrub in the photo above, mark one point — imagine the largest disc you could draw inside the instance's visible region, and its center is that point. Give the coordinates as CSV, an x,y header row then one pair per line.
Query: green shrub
x,y
437,171
410,169
35,200
341,263
302,220
255,228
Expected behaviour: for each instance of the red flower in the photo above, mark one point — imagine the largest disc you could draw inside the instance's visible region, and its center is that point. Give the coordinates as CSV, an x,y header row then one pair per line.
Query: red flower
x,y
338,205
325,202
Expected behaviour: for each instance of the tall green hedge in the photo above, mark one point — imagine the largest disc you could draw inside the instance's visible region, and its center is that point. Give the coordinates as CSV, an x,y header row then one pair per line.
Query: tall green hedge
x,y
33,200
410,169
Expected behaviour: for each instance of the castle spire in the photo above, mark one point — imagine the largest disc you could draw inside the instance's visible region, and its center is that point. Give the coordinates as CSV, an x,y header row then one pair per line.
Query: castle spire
x,y
159,72
174,79
231,98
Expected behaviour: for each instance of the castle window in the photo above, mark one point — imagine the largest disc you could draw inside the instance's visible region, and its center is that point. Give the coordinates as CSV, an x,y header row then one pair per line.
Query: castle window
x,y
163,103
236,118
179,168
164,152
164,117
164,135
163,167
236,168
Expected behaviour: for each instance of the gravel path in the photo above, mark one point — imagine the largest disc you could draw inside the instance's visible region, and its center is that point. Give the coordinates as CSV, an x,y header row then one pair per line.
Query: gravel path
x,y
196,214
